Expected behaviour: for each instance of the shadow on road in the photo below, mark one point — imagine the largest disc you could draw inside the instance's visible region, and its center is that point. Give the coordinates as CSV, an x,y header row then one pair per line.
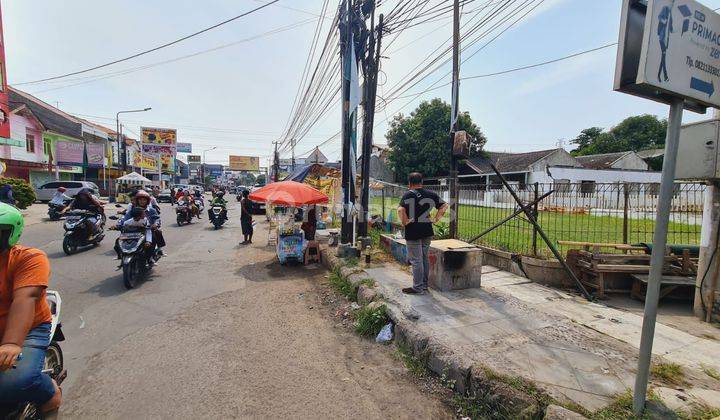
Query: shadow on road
x,y
272,270
113,286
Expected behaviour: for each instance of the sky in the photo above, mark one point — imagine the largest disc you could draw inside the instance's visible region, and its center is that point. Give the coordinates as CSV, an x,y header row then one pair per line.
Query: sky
x,y
238,98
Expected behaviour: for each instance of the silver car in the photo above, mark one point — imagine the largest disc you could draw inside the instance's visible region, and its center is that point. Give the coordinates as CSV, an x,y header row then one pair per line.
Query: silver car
x,y
45,192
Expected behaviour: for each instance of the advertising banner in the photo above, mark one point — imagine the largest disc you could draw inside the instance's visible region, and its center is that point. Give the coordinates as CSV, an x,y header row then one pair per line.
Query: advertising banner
x,y
146,161
193,159
244,163
70,152
184,147
4,108
95,155
163,136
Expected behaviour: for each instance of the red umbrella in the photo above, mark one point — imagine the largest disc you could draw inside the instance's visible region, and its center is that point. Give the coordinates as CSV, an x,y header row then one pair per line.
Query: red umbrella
x,y
289,193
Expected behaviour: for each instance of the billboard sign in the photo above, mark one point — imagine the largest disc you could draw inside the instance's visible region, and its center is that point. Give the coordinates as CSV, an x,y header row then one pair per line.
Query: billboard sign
x,y
184,147
193,159
95,155
244,163
162,136
70,152
145,161
670,49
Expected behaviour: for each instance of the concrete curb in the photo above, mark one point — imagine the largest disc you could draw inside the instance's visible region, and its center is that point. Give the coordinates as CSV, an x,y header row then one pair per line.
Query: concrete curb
x,y
468,379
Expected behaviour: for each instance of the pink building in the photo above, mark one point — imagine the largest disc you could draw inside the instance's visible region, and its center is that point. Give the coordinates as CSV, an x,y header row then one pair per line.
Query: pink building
x,y
25,153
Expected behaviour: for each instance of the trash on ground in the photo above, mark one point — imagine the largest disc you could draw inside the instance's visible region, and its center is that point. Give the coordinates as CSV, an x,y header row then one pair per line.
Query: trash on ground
x,y
386,334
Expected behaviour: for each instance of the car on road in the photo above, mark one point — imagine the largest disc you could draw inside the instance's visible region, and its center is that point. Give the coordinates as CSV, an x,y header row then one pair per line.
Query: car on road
x,y
45,192
164,196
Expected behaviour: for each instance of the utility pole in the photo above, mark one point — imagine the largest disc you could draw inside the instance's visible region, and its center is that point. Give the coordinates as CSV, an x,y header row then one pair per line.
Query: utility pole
x,y
346,227
292,148
372,68
276,163
454,113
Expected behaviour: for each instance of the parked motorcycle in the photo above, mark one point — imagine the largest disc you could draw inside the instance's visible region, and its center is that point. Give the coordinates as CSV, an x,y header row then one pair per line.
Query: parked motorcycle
x,y
183,212
135,244
76,234
54,209
54,363
218,216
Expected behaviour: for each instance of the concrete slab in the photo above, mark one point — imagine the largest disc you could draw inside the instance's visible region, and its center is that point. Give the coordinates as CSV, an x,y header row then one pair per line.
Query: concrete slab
x,y
508,334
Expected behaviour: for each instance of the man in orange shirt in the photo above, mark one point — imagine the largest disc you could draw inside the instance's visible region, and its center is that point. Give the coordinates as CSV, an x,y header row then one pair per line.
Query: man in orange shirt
x,y
24,319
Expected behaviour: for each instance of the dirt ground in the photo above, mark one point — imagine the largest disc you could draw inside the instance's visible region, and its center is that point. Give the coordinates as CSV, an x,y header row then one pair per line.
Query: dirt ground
x,y
273,348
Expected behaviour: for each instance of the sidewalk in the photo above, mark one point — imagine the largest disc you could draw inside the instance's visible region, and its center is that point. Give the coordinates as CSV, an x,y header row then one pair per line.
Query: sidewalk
x,y
577,352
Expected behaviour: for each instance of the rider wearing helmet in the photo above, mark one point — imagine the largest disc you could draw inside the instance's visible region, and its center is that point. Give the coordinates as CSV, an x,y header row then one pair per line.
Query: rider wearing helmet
x,y
24,319
59,198
141,207
84,200
218,200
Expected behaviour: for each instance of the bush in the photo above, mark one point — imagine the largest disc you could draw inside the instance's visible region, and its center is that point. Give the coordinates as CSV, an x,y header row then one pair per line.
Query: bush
x,y
369,322
22,191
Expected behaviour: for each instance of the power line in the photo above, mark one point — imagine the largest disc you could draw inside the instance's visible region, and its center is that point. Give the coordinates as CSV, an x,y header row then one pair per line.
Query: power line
x,y
95,78
159,47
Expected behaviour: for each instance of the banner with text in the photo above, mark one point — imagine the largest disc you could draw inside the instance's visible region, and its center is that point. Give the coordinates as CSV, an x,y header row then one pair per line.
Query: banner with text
x,y
194,159
70,152
184,147
244,163
95,155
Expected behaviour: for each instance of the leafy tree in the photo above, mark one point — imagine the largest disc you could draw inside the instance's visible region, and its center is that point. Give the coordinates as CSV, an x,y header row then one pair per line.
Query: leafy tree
x,y
586,138
261,179
635,133
420,142
22,191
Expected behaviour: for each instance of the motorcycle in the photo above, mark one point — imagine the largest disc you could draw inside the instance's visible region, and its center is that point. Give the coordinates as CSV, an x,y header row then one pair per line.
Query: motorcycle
x,y
218,215
199,204
184,213
55,209
137,259
53,366
76,234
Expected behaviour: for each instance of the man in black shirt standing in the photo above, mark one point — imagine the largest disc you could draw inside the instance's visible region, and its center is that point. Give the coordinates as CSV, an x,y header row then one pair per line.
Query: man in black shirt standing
x,y
414,213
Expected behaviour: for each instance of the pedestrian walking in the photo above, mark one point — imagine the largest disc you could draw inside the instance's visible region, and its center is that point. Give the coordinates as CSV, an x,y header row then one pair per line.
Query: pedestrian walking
x,y
6,195
414,212
246,222
172,196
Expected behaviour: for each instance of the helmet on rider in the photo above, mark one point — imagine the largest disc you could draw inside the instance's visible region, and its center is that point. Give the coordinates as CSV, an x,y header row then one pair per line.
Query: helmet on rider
x,y
141,199
220,194
11,226
61,189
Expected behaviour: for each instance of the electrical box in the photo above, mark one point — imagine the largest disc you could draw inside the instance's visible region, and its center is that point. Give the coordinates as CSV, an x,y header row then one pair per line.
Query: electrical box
x,y
698,151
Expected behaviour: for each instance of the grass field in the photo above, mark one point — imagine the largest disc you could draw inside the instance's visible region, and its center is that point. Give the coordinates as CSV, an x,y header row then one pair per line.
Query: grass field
x,y
517,234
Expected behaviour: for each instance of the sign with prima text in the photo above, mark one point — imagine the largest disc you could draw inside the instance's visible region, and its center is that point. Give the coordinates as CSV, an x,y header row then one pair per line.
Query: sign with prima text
x,y
681,50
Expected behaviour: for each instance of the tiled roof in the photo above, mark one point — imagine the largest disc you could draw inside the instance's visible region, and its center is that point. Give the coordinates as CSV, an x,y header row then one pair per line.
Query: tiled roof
x,y
601,161
508,162
50,117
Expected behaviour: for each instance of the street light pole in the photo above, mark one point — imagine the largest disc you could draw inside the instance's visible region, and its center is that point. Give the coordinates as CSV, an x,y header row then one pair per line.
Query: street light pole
x,y
122,149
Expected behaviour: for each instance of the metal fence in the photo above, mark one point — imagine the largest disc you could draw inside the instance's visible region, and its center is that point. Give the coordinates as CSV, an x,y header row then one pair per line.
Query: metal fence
x,y
582,212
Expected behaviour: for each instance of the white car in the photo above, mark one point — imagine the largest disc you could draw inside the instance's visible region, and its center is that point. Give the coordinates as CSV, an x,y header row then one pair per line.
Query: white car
x,y
45,192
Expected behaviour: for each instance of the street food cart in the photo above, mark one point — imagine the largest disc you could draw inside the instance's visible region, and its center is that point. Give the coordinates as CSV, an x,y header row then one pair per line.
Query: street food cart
x,y
290,243
125,184
284,228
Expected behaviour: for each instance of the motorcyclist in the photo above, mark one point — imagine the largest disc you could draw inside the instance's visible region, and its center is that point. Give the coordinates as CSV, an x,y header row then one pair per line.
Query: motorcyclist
x,y
84,200
24,319
59,198
218,201
194,210
197,195
140,208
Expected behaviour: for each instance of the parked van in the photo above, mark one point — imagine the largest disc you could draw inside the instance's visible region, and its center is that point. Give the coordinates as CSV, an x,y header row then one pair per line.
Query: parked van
x,y
45,192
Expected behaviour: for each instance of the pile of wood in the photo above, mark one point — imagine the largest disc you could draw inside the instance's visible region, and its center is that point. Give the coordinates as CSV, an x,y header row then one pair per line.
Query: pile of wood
x,y
605,272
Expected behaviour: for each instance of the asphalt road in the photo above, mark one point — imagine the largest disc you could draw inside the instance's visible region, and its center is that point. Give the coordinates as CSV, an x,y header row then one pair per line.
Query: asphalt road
x,y
217,330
